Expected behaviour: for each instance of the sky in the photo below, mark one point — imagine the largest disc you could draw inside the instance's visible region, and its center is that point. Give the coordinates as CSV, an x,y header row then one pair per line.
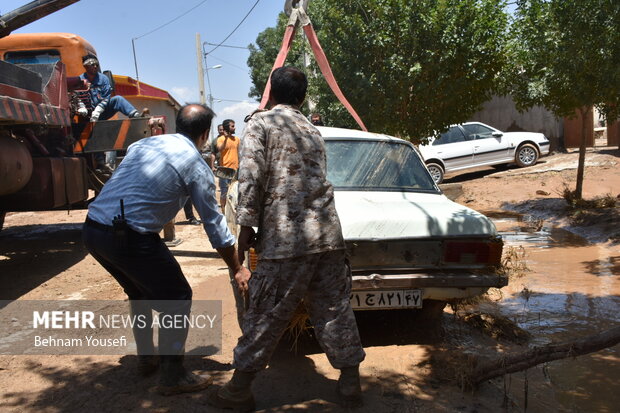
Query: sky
x,y
167,57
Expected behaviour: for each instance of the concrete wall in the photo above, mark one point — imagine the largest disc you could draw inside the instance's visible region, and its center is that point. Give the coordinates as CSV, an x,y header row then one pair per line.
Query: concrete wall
x,y
501,113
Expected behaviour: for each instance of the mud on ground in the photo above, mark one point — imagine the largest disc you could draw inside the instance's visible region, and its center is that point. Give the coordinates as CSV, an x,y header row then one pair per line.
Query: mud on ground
x,y
407,369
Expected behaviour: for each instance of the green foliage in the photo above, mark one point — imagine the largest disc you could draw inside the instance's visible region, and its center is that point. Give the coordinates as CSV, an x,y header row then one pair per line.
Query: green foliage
x,y
409,68
565,54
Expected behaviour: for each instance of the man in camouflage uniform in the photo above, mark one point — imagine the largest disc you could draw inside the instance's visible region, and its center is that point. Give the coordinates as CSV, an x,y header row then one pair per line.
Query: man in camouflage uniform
x,y
284,192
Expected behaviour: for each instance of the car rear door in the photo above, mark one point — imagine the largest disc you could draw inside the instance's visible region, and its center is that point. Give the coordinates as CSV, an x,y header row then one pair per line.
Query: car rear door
x,y
454,149
488,149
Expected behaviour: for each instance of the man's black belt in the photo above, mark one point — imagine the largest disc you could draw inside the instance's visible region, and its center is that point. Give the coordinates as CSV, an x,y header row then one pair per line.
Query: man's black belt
x,y
98,225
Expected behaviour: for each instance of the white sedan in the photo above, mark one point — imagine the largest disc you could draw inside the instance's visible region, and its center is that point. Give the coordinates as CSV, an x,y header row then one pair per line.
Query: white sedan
x,y
408,245
475,144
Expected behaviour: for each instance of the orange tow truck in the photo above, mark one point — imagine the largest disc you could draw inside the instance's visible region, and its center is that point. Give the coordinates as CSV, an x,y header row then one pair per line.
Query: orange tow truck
x,y
46,149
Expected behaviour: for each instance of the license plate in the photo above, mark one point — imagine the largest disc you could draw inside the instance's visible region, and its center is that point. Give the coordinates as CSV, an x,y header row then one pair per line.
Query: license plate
x,y
378,299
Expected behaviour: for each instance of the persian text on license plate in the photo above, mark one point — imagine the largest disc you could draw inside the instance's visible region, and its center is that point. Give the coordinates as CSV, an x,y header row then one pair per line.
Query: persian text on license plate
x,y
386,299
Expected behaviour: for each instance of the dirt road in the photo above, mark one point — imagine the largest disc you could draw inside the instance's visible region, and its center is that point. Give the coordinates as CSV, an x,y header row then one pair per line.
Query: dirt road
x,y
42,257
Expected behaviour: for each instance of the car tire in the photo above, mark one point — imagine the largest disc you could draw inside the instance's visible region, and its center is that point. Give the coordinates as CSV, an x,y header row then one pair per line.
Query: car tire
x,y
436,172
526,155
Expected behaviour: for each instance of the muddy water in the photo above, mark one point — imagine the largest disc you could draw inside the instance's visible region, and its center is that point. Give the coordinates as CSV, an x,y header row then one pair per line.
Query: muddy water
x,y
572,290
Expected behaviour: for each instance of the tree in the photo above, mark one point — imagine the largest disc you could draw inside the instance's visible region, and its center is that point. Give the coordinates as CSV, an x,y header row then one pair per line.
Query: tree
x,y
565,55
409,68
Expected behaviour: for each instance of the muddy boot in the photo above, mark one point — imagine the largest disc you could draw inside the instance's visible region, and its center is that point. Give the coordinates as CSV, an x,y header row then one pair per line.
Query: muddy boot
x,y
349,388
236,394
174,379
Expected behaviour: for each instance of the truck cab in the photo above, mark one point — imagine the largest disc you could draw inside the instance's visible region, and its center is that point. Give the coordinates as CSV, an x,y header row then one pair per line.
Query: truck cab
x,y
45,148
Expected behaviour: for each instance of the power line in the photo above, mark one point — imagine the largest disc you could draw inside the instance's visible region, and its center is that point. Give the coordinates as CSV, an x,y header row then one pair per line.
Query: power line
x,y
173,20
235,29
227,45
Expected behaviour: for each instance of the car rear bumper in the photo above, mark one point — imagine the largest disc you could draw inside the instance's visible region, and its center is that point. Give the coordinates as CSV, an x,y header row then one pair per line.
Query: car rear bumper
x,y
445,286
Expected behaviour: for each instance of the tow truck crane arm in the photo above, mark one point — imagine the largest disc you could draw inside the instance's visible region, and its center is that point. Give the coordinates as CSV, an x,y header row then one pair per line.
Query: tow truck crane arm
x,y
30,12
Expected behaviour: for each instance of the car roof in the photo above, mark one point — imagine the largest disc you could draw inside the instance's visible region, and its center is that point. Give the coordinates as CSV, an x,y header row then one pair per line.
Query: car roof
x,y
335,133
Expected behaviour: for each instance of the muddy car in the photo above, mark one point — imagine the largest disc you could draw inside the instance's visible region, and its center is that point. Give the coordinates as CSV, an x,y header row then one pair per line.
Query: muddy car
x,y
408,245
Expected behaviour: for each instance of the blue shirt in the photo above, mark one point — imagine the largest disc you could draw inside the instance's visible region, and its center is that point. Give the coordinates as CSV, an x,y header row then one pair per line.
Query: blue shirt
x,y
100,89
154,181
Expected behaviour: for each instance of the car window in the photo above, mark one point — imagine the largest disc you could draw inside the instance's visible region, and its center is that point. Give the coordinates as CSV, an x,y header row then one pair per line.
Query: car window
x,y
32,56
453,135
376,165
477,131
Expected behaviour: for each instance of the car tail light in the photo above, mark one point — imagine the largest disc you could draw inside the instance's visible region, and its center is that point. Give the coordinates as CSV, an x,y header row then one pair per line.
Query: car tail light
x,y
252,259
473,252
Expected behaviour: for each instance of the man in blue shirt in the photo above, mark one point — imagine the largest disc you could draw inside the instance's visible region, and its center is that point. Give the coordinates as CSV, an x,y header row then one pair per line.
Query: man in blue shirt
x,y
104,106
122,230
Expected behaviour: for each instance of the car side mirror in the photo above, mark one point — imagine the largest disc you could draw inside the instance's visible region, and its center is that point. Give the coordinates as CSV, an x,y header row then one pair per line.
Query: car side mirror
x,y
497,134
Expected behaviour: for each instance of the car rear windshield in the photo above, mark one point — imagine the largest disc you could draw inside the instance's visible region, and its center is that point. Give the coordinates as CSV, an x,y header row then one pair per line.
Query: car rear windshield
x,y
376,165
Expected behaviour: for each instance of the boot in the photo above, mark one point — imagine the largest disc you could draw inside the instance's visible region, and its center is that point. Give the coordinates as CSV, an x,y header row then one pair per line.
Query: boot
x,y
349,387
175,379
236,394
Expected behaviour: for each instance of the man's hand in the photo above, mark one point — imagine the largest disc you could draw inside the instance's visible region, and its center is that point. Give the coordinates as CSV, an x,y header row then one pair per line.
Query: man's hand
x,y
245,240
94,117
82,111
242,274
243,277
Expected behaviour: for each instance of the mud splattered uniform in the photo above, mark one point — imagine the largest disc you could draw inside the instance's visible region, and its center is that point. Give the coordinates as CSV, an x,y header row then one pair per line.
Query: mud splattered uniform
x,y
284,192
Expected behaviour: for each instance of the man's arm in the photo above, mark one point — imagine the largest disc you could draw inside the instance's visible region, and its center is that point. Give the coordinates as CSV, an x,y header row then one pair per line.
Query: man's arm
x,y
201,194
105,88
105,91
242,274
222,146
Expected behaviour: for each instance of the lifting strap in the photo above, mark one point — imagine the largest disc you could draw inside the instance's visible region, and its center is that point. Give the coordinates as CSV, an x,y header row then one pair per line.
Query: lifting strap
x,y
299,15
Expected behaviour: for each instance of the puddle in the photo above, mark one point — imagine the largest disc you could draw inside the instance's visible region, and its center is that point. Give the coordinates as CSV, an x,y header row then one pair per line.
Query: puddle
x,y
573,290
524,229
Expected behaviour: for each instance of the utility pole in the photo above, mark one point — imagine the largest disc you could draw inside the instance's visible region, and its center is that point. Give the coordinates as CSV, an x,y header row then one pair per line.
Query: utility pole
x,y
201,73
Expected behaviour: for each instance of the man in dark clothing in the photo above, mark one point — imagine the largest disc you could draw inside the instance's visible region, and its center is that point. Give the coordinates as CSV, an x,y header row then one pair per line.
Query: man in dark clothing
x,y
154,180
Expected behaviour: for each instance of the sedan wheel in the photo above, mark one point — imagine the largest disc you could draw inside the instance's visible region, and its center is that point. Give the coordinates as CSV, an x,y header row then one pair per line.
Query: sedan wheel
x,y
527,155
436,172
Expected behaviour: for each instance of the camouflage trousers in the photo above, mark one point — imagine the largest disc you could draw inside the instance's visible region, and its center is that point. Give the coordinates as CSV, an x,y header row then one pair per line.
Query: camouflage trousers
x,y
276,289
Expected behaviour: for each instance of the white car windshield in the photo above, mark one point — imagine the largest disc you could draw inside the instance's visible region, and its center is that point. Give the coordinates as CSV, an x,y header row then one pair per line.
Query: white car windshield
x,y
376,165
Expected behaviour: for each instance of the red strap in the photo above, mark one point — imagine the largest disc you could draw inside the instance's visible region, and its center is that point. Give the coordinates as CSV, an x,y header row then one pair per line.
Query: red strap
x,y
289,34
321,59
